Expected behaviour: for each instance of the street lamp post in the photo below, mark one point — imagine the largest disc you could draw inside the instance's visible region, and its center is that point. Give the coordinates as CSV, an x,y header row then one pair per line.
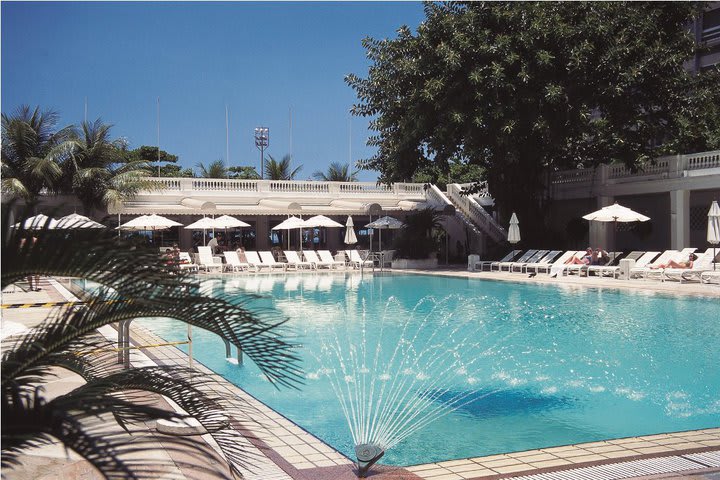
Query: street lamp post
x,y
262,141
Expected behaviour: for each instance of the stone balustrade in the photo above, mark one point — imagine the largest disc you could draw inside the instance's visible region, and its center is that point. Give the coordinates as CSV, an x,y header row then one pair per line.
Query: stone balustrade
x,y
675,166
228,186
477,214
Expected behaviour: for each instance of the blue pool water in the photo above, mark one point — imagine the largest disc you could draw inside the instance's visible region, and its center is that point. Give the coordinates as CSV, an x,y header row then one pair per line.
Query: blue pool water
x,y
549,365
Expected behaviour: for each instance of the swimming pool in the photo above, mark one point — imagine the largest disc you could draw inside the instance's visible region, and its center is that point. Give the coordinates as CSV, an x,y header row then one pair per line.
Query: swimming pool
x,y
551,365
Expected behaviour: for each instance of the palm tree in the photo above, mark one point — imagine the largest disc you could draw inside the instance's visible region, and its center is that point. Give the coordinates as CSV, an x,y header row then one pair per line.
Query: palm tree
x,y
97,172
216,169
336,172
31,150
275,170
139,285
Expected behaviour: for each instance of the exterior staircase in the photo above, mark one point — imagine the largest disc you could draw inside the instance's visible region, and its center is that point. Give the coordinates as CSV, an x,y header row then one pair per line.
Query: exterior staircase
x,y
470,224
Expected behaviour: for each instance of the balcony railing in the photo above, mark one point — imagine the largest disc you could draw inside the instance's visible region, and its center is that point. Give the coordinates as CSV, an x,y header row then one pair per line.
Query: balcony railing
x,y
350,189
666,167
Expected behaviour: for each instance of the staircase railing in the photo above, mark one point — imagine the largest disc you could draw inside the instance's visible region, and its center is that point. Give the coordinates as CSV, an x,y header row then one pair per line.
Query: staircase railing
x,y
476,213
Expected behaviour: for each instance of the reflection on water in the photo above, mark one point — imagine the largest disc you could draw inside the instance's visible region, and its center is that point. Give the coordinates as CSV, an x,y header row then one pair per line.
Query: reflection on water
x,y
567,365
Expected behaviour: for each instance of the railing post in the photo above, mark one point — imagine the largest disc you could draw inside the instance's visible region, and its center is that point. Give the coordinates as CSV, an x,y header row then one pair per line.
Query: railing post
x,y
603,174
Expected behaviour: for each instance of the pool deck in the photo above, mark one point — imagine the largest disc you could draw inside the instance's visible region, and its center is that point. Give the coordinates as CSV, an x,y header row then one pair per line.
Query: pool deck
x,y
287,452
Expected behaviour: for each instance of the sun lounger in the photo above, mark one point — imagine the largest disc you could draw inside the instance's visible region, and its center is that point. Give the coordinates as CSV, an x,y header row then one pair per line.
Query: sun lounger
x,y
523,259
488,263
546,260
579,269
652,270
612,268
312,256
269,261
207,261
357,261
701,264
559,270
327,258
254,260
186,263
293,260
232,262
710,276
552,268
517,266
639,271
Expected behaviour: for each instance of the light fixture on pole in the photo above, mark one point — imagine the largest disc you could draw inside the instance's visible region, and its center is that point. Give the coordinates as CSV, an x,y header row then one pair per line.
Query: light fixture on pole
x,y
262,141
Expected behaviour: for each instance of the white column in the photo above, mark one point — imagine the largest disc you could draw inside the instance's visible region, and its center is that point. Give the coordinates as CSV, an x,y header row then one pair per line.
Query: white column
x,y
679,219
601,232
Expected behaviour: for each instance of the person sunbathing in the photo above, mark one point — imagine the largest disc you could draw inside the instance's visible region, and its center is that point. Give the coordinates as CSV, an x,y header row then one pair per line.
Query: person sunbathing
x,y
585,260
674,264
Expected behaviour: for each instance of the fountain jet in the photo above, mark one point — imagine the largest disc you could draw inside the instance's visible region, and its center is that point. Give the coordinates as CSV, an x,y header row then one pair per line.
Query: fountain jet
x,y
367,454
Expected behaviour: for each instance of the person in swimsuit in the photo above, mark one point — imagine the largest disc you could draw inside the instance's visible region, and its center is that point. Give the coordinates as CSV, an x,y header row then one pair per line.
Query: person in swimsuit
x,y
585,260
674,264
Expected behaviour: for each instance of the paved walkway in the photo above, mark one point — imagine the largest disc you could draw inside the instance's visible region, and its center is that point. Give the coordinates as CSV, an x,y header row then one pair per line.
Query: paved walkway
x,y
285,451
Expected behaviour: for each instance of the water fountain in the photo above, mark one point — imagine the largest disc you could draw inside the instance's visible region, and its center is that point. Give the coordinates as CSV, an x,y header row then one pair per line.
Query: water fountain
x,y
390,389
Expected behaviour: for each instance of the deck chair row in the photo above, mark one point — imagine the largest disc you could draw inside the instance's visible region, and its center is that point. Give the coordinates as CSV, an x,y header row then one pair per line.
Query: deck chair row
x,y
257,261
650,265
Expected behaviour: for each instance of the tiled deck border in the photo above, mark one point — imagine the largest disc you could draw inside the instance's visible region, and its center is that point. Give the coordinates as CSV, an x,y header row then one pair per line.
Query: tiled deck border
x,y
293,453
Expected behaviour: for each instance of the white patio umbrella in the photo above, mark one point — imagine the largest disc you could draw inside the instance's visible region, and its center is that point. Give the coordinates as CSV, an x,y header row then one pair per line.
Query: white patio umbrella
x,y
37,222
205,223
514,230
74,220
291,223
350,237
321,221
226,221
383,223
150,223
713,231
615,213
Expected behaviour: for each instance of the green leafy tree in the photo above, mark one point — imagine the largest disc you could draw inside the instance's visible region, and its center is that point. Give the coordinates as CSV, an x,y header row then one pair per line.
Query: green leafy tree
x,y
31,152
215,169
458,172
521,89
102,420
171,170
243,173
167,161
97,171
336,172
281,170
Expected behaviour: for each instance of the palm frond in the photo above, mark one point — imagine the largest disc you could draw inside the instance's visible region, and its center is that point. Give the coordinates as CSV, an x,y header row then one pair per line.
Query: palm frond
x,y
137,284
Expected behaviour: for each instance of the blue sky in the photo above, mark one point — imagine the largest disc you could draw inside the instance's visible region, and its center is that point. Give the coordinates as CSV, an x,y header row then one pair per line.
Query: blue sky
x,y
261,59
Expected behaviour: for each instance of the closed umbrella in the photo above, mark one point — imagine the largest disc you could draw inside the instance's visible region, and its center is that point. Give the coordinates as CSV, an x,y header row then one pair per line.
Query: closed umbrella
x,y
713,232
74,220
350,237
383,223
514,230
615,213
37,222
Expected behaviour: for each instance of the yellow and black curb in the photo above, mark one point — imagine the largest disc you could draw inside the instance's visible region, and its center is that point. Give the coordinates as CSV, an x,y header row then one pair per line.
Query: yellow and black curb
x,y
49,304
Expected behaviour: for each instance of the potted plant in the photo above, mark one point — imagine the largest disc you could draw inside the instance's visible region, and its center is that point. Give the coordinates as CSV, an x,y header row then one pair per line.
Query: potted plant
x,y
416,246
